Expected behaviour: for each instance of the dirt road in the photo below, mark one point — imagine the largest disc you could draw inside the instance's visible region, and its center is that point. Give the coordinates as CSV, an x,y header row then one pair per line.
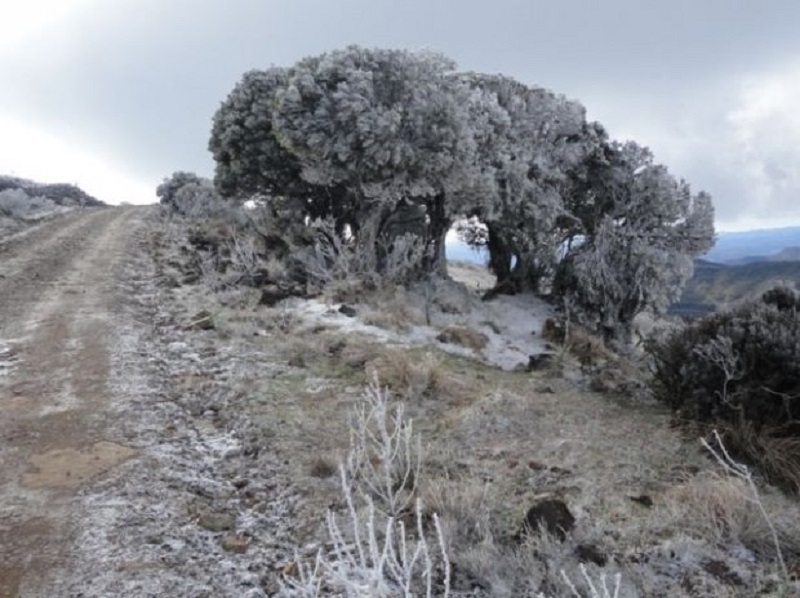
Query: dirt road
x,y
58,295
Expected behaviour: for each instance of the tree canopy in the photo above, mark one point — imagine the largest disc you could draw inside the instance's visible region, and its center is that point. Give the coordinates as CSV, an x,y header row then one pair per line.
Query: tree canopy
x,y
387,142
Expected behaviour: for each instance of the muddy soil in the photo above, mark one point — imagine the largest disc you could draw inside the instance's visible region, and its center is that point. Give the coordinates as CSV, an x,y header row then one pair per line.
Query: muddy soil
x,y
126,467
57,300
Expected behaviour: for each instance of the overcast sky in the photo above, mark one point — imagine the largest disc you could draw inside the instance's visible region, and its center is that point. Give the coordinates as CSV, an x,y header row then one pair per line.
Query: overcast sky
x,y
117,94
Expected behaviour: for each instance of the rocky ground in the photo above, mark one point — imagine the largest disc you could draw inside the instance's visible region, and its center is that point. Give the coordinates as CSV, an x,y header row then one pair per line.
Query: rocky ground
x,y
159,439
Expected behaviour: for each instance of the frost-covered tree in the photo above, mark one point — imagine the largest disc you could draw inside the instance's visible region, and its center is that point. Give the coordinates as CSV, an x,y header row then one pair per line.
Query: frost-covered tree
x,y
198,199
170,186
249,159
640,230
529,151
189,195
388,125
385,144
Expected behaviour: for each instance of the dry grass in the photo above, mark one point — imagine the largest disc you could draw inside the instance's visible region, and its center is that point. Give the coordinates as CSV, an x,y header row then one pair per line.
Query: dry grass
x,y
503,441
466,337
412,376
718,509
464,508
322,467
778,456
392,311
588,348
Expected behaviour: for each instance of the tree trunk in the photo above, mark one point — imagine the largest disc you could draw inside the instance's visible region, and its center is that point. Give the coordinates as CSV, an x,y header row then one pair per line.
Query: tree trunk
x,y
500,256
438,226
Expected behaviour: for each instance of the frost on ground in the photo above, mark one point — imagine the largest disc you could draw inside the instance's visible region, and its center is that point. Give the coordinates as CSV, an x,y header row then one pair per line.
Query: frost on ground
x,y
240,426
510,326
205,509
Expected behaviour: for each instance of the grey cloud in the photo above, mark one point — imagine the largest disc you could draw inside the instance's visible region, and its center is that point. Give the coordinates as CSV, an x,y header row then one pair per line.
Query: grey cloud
x,y
140,79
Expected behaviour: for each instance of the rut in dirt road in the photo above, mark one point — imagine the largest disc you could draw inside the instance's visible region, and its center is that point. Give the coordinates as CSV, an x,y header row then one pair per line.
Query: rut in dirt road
x,y
57,296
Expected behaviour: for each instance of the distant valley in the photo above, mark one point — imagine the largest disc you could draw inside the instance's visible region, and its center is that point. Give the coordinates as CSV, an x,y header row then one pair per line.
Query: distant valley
x,y
742,266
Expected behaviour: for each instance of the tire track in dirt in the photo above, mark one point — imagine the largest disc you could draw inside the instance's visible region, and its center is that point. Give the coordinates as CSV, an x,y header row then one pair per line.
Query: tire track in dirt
x,y
56,316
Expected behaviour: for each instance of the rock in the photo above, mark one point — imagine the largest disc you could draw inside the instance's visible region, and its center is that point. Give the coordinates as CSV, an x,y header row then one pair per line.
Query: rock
x,y
216,522
588,553
723,572
553,331
348,310
202,320
550,514
505,287
270,585
542,361
605,381
272,295
234,543
643,500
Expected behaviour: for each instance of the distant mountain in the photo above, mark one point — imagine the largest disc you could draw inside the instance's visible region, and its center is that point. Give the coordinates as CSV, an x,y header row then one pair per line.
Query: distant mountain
x,y
716,285
62,194
751,245
787,254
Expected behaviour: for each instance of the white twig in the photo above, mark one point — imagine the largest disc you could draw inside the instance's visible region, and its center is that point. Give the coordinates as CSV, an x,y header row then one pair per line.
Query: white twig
x,y
594,591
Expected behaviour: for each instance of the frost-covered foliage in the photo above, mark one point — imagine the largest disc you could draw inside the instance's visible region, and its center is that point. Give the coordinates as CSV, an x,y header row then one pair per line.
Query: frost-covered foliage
x,y
348,266
170,186
249,159
16,203
637,230
740,370
387,125
387,143
358,136
388,549
529,145
189,195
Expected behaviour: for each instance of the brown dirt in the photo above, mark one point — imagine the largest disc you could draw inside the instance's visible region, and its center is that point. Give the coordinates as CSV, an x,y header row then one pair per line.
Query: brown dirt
x,y
57,297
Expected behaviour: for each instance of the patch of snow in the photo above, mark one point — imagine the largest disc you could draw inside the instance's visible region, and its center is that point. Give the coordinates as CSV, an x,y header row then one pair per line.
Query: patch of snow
x,y
512,324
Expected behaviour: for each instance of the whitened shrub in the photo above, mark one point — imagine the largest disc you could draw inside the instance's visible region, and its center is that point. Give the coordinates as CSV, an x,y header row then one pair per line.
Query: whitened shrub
x,y
14,203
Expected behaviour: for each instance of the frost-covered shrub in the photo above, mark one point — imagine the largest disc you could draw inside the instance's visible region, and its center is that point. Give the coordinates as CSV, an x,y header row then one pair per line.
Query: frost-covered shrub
x,y
14,203
198,200
42,204
167,191
632,245
348,265
739,370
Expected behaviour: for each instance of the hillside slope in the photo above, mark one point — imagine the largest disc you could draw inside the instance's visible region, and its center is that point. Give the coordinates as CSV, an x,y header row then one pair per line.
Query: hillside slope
x,y
62,194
